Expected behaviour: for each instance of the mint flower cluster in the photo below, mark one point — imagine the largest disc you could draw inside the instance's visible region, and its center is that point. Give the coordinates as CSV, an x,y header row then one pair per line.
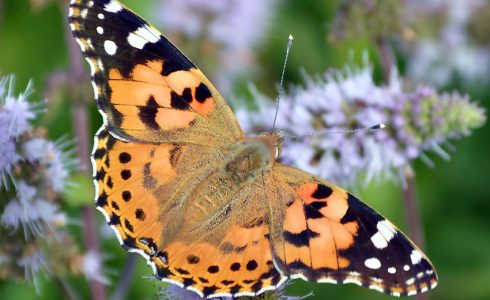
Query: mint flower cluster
x,y
418,120
34,172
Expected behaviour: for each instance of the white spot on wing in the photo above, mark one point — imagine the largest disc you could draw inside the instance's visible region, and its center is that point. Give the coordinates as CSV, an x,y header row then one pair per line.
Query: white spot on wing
x,y
180,284
143,35
222,295
415,256
406,267
101,16
96,95
327,280
100,30
190,288
386,229
110,47
392,270
81,44
372,263
379,241
412,293
92,67
433,285
243,294
300,276
354,281
377,288
113,7
83,13
267,288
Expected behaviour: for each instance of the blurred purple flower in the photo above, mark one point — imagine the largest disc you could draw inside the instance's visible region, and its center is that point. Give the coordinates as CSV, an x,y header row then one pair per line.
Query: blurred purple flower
x,y
33,213
8,156
37,169
451,53
92,267
235,26
418,119
33,263
51,156
15,112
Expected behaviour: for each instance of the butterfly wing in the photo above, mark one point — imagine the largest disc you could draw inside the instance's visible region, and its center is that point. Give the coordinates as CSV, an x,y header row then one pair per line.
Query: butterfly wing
x,y
162,208
145,88
328,235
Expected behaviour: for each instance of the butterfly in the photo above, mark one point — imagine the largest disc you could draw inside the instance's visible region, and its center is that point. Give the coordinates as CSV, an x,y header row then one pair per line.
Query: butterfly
x,y
209,208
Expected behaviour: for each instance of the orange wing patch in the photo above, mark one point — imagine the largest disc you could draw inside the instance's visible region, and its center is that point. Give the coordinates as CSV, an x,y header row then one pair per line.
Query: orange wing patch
x,y
313,233
123,188
240,265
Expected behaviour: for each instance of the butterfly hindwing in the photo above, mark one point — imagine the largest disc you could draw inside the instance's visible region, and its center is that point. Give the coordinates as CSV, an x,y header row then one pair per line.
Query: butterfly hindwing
x,y
145,88
331,236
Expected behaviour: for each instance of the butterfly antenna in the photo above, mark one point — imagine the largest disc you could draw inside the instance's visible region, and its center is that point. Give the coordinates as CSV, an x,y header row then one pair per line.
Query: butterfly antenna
x,y
281,87
328,132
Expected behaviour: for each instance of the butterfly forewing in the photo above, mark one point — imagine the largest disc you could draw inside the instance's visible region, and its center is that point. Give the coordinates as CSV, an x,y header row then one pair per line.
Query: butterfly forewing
x,y
331,236
144,86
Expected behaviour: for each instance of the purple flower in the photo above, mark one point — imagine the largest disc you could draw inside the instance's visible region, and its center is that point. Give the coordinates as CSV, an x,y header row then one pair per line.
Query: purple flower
x,y
8,156
16,112
51,157
15,115
37,170
318,115
33,263
34,214
92,267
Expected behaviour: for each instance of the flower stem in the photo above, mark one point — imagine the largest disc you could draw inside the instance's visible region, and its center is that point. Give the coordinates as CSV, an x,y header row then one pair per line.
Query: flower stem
x,y
127,274
412,212
386,56
80,125
413,218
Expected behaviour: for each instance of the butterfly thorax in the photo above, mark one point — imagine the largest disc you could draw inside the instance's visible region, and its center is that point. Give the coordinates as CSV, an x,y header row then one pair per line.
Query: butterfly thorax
x,y
252,156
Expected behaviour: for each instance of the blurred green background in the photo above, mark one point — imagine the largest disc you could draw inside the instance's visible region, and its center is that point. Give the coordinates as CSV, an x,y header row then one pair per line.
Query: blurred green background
x,y
454,196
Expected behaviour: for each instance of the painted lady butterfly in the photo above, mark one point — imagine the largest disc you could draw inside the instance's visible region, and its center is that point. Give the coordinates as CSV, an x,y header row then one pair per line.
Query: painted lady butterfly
x,y
207,206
